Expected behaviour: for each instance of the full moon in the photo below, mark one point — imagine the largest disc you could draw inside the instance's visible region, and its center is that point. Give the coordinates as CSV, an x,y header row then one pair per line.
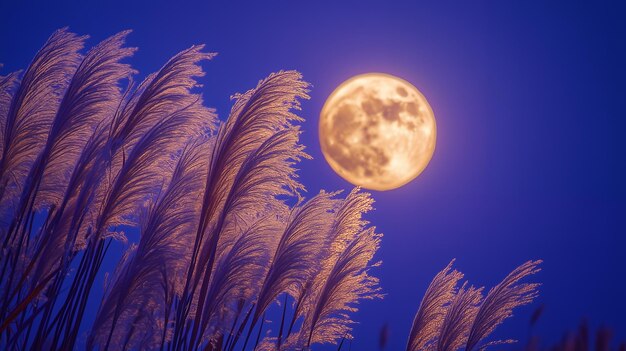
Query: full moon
x,y
377,131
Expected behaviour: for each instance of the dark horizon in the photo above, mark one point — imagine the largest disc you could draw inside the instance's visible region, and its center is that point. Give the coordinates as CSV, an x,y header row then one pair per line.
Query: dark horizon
x,y
529,162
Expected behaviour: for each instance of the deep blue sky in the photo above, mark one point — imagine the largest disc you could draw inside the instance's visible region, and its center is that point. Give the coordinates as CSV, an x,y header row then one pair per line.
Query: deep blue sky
x,y
530,103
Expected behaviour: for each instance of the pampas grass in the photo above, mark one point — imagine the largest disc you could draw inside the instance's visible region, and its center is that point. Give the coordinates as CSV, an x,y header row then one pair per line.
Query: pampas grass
x,y
224,231
454,318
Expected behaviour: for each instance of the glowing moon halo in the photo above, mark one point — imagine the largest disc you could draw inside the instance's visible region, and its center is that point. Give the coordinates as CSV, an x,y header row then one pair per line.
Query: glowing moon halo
x,y
377,131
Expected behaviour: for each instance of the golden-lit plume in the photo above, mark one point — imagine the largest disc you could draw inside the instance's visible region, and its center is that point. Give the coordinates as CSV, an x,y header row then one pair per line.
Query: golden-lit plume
x,y
450,320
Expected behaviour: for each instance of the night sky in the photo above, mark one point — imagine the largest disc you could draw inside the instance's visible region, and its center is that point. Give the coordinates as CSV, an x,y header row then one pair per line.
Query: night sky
x,y
530,103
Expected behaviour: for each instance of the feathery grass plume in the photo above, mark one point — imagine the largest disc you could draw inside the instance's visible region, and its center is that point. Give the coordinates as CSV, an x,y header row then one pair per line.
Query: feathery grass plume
x,y
33,107
347,284
30,113
140,321
458,320
127,168
299,251
500,302
256,115
448,320
162,115
136,182
7,89
91,97
260,179
347,223
296,259
153,271
57,243
430,315
236,277
142,172
266,174
159,95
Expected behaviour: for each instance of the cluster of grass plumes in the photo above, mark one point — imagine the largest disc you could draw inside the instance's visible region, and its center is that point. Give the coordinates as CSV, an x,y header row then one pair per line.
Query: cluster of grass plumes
x,y
224,231
454,318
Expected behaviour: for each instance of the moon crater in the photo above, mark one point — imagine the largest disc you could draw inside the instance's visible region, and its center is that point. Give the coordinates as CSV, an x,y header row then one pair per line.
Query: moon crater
x,y
377,131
